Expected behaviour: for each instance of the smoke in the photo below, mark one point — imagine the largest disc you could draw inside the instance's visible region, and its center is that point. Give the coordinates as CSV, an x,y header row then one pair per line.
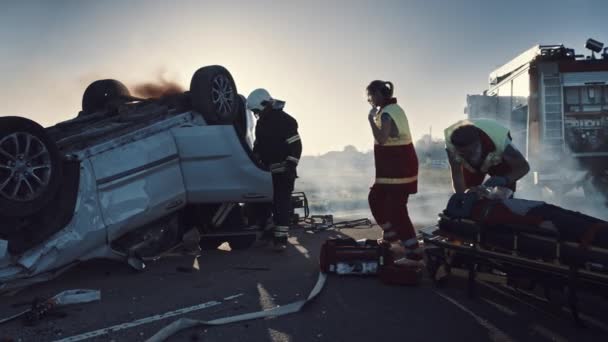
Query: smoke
x,y
573,188
338,183
162,87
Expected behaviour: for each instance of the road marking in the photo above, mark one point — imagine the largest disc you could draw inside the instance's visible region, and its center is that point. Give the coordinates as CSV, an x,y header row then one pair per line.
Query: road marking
x,y
296,244
502,308
142,321
589,319
548,334
585,317
233,297
496,334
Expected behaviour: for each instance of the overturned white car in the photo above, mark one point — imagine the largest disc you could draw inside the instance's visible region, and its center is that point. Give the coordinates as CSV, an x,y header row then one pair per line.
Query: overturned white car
x,y
125,179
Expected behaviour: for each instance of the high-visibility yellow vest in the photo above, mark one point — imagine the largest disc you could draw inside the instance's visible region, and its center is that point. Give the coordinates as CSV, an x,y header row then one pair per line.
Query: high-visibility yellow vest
x,y
398,115
498,133
396,161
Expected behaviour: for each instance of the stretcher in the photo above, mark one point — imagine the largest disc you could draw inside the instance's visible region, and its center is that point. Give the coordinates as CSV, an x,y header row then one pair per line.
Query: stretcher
x,y
527,256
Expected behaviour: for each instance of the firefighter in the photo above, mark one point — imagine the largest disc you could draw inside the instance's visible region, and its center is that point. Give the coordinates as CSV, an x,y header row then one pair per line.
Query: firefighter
x,y
481,147
278,146
396,170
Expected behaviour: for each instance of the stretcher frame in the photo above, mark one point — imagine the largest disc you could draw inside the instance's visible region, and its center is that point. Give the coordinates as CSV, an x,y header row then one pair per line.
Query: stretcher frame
x,y
448,250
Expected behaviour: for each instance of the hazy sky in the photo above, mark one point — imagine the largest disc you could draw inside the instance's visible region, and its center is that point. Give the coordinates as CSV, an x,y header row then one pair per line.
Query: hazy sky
x,y
316,55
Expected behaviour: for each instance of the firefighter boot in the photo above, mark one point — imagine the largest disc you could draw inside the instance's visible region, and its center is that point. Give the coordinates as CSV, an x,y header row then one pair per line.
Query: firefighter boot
x,y
280,238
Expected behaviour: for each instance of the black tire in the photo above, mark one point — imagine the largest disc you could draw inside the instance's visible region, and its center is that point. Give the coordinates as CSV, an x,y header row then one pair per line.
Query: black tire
x,y
240,121
242,241
101,93
30,173
214,94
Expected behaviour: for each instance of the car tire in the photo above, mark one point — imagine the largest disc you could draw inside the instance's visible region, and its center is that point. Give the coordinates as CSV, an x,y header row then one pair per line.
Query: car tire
x,y
213,94
101,93
30,167
240,120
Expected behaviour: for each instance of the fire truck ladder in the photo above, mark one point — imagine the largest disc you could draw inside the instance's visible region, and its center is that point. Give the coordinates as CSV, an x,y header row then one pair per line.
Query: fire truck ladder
x,y
553,124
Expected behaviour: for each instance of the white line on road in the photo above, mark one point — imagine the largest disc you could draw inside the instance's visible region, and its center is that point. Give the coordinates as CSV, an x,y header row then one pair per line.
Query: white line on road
x,y
502,308
233,297
496,334
585,317
589,319
143,321
548,334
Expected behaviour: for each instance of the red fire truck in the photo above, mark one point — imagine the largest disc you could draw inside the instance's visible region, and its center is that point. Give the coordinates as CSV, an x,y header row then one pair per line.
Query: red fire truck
x,y
556,104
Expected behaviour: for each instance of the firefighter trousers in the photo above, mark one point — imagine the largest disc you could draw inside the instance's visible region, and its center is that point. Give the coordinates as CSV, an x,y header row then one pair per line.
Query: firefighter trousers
x,y
281,208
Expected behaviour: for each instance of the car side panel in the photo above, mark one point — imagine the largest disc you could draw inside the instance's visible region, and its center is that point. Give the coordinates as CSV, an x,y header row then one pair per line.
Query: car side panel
x,y
216,168
139,182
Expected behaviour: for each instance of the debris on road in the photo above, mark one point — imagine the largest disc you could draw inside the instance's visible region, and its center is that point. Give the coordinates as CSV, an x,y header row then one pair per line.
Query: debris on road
x,y
146,320
317,223
40,308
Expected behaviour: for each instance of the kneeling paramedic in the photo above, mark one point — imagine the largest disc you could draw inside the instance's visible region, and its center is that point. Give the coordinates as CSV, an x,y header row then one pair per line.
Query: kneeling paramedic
x,y
481,147
278,146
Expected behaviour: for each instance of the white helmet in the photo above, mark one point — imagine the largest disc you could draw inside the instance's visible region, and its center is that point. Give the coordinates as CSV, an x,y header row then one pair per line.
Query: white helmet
x,y
256,98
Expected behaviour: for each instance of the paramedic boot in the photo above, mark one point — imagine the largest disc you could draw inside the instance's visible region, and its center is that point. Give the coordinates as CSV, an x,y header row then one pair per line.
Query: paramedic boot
x,y
280,238
414,253
388,234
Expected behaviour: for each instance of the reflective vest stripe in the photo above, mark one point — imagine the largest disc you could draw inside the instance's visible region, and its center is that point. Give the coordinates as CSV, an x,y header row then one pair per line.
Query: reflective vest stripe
x,y
397,142
405,180
293,139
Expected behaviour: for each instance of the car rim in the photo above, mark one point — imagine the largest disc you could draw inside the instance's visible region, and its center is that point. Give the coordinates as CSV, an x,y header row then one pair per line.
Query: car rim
x,y
25,167
222,95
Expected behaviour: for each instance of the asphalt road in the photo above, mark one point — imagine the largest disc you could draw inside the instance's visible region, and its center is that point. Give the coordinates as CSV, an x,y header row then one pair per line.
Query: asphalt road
x,y
348,308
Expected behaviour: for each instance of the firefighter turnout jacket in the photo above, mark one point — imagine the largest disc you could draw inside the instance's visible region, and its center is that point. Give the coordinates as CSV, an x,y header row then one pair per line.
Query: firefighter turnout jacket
x,y
277,141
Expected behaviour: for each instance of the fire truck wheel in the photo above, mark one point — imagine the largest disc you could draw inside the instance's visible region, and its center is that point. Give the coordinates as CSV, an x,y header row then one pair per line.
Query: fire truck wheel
x,y
30,167
214,94
101,93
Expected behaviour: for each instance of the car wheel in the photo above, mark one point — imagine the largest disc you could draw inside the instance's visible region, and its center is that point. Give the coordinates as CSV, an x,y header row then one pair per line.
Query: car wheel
x,y
101,93
30,167
240,121
214,95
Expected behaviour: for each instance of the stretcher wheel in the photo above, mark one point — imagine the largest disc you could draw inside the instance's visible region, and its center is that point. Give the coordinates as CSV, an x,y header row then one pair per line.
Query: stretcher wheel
x,y
436,266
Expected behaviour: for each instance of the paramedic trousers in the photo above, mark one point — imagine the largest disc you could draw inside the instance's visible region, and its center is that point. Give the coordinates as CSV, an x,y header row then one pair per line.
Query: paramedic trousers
x,y
388,204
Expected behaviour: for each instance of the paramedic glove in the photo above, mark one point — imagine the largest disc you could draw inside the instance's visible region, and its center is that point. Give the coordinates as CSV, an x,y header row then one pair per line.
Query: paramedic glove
x,y
372,113
496,181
